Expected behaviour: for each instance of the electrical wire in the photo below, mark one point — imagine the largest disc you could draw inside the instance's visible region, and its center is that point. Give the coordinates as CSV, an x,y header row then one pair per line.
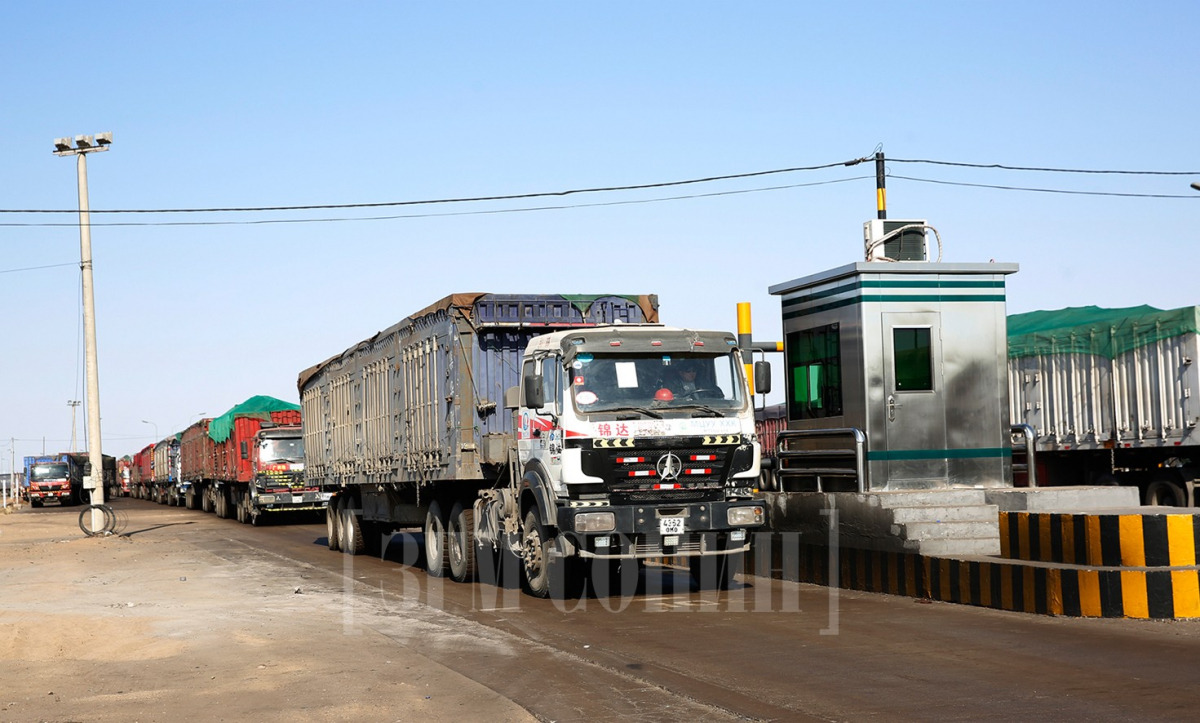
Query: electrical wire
x,y
509,197
1044,170
526,209
37,268
1045,190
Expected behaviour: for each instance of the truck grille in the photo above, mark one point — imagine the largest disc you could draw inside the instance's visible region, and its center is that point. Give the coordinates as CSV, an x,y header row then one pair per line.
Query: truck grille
x,y
641,468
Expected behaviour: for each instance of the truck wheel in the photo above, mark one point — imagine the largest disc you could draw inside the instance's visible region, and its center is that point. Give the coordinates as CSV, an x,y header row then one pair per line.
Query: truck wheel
x,y
545,576
172,498
333,530
460,539
189,498
242,509
715,572
1164,493
36,503
352,534
207,503
222,502
436,559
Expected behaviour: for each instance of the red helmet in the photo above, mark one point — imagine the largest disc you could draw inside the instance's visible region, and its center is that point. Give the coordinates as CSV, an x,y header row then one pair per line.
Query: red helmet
x,y
664,395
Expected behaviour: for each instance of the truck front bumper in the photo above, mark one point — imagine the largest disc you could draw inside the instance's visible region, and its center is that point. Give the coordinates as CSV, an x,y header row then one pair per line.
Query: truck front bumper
x,y
644,531
292,501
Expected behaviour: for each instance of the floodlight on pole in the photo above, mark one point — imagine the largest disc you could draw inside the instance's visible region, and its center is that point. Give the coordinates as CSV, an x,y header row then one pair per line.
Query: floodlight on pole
x,y
152,424
95,481
1196,186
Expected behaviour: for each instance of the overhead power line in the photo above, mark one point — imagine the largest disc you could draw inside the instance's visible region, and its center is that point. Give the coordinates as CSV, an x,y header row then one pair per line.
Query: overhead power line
x,y
1043,170
472,199
35,268
1192,196
525,209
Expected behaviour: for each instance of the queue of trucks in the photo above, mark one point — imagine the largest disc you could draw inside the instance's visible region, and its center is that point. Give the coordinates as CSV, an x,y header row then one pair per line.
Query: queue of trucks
x,y
567,438
246,464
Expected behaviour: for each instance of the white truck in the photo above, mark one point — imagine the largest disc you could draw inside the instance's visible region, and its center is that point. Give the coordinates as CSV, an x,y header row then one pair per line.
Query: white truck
x,y
536,429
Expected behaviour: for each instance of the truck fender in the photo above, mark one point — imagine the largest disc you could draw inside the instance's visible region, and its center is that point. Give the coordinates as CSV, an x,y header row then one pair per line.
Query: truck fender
x,y
534,480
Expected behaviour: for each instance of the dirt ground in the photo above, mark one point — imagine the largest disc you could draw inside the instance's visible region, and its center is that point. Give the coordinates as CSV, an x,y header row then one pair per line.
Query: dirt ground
x,y
149,626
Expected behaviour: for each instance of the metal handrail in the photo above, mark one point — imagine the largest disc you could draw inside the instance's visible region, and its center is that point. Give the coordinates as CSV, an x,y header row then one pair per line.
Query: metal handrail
x,y
1030,466
860,443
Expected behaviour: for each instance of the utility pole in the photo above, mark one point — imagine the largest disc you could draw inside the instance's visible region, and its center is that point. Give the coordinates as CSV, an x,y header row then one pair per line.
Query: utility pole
x,y
880,189
83,146
73,404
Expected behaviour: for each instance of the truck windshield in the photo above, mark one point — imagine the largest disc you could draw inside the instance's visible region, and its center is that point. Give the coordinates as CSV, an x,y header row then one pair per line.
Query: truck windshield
x,y
661,382
282,449
47,471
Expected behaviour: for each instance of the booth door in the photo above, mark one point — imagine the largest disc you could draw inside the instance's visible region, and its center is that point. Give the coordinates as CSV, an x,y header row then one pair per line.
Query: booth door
x,y
914,400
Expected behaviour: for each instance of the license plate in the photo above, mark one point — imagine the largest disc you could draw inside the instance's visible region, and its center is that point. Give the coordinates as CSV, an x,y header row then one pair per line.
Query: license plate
x,y
670,526
297,498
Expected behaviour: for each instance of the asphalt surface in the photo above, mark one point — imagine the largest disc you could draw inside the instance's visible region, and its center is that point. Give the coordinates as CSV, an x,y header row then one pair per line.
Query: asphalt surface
x,y
767,650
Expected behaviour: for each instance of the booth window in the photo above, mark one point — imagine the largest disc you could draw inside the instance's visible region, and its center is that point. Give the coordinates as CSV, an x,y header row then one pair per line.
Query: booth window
x,y
814,373
913,358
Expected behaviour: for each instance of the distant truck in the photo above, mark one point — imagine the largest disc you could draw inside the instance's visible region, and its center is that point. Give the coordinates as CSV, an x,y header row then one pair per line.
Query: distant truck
x,y
1112,396
247,463
59,478
556,432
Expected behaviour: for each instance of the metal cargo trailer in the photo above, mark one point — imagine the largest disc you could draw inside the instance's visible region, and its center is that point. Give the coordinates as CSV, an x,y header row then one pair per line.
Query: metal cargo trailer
x,y
1113,396
422,401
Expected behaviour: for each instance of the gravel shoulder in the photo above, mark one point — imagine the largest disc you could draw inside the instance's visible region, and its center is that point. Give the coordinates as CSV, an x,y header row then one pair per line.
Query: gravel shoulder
x,y
149,626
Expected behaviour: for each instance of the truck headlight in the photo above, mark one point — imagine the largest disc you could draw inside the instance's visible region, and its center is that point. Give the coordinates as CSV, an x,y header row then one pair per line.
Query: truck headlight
x,y
595,522
744,516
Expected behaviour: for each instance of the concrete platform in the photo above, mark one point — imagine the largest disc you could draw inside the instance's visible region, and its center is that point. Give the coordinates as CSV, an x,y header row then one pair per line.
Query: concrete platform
x,y
1061,499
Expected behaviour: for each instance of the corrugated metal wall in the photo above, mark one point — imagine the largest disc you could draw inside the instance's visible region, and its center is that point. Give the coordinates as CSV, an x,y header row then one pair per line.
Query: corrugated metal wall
x,y
1151,394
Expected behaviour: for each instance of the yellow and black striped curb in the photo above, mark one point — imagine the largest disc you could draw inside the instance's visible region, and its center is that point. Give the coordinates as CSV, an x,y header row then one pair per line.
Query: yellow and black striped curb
x,y
1072,591
1132,540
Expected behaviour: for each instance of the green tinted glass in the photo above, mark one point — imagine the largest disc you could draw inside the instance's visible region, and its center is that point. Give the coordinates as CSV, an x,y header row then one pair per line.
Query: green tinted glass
x,y
913,351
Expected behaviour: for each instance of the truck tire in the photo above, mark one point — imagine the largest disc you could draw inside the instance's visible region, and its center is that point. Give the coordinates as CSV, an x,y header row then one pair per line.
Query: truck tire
x,y
333,530
222,502
242,508
460,543
543,575
36,503
1165,493
437,562
172,498
189,498
352,534
715,572
207,503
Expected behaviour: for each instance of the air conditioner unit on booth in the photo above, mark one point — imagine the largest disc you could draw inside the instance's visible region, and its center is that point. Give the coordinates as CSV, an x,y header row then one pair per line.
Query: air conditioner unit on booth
x,y
884,239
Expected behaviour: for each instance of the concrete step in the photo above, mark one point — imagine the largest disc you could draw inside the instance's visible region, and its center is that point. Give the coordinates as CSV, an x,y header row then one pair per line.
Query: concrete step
x,y
956,547
964,513
949,497
952,530
1062,499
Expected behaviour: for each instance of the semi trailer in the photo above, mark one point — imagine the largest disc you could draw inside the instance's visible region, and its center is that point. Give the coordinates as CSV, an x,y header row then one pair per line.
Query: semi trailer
x,y
247,463
557,433
1112,397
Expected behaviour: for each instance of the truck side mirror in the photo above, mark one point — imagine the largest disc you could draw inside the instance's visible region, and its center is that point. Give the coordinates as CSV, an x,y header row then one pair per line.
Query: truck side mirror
x,y
762,377
535,398
512,398
245,451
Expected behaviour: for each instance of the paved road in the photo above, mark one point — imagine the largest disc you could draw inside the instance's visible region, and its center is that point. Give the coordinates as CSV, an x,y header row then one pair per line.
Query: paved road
x,y
768,650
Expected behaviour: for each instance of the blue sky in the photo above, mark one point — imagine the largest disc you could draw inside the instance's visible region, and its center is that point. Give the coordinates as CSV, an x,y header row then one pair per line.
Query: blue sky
x,y
262,104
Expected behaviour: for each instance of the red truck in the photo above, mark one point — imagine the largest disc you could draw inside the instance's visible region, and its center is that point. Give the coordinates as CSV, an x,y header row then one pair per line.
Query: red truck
x,y
248,462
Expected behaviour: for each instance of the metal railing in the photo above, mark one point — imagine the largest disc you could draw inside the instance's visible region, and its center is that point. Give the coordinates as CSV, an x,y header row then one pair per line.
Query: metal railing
x,y
814,457
1029,466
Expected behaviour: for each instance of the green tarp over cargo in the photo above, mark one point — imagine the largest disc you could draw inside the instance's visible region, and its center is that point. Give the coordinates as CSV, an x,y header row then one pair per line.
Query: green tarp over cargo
x,y
259,407
1095,330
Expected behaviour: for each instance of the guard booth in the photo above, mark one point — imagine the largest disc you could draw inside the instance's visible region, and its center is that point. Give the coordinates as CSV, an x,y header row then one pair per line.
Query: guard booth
x,y
896,378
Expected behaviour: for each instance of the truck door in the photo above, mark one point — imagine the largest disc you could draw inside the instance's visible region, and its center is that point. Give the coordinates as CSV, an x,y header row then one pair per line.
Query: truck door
x,y
914,399
540,436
